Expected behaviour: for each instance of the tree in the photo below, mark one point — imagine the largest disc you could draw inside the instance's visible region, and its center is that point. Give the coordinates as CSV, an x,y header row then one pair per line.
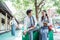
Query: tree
x,y
35,5
57,4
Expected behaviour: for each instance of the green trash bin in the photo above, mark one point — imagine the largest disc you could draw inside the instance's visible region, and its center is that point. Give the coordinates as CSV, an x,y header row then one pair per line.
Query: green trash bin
x,y
35,36
51,35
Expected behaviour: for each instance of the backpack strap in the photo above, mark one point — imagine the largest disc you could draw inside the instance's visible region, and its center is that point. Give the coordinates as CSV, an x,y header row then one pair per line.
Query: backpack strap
x,y
33,20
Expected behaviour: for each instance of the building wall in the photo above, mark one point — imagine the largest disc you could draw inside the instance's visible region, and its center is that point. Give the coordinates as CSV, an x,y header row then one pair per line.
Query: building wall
x,y
4,26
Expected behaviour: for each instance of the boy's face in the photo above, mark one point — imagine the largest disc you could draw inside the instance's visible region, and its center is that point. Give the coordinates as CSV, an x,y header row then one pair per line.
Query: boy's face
x,y
30,14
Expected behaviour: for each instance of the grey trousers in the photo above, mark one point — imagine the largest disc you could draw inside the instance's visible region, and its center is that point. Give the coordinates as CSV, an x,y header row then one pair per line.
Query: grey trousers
x,y
31,33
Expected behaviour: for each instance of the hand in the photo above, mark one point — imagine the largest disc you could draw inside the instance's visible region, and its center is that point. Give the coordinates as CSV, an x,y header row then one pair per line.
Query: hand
x,y
32,28
25,32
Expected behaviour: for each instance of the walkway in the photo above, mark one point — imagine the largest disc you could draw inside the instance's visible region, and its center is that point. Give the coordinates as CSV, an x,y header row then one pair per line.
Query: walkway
x,y
56,36
8,36
18,36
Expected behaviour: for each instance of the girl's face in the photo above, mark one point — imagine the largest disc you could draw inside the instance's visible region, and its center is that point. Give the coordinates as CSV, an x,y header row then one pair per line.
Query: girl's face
x,y
43,13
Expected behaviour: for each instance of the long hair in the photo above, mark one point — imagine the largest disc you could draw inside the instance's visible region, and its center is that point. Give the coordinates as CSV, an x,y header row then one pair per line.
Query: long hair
x,y
42,18
47,16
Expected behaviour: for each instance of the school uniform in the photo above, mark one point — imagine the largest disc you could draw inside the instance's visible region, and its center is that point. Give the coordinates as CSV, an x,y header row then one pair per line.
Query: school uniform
x,y
28,22
44,29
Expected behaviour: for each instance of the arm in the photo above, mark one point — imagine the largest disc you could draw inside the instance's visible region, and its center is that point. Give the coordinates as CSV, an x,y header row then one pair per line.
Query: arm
x,y
50,21
40,22
25,24
35,21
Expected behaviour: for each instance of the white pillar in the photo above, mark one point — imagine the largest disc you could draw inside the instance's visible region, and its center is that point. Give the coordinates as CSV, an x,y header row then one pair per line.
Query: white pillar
x,y
6,22
10,25
0,21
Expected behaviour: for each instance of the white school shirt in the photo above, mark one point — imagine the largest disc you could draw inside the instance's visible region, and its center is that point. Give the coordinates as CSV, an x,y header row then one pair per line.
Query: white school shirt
x,y
41,22
27,22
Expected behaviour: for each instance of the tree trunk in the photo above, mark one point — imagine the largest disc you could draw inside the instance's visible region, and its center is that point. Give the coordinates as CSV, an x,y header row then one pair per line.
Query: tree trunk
x,y
36,9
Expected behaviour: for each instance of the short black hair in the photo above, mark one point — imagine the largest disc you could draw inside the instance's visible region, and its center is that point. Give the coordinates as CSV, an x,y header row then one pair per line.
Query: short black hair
x,y
28,11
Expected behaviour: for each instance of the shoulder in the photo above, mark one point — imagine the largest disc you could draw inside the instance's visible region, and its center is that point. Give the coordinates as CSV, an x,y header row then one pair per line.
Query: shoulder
x,y
34,18
26,17
40,18
50,18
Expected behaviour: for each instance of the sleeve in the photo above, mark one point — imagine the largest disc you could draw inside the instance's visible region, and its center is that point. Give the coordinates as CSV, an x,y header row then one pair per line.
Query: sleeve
x,y
35,22
40,23
25,24
50,21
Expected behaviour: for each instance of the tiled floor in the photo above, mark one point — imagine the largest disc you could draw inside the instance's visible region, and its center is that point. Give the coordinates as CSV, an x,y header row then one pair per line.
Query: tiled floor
x,y
18,36
8,36
56,36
